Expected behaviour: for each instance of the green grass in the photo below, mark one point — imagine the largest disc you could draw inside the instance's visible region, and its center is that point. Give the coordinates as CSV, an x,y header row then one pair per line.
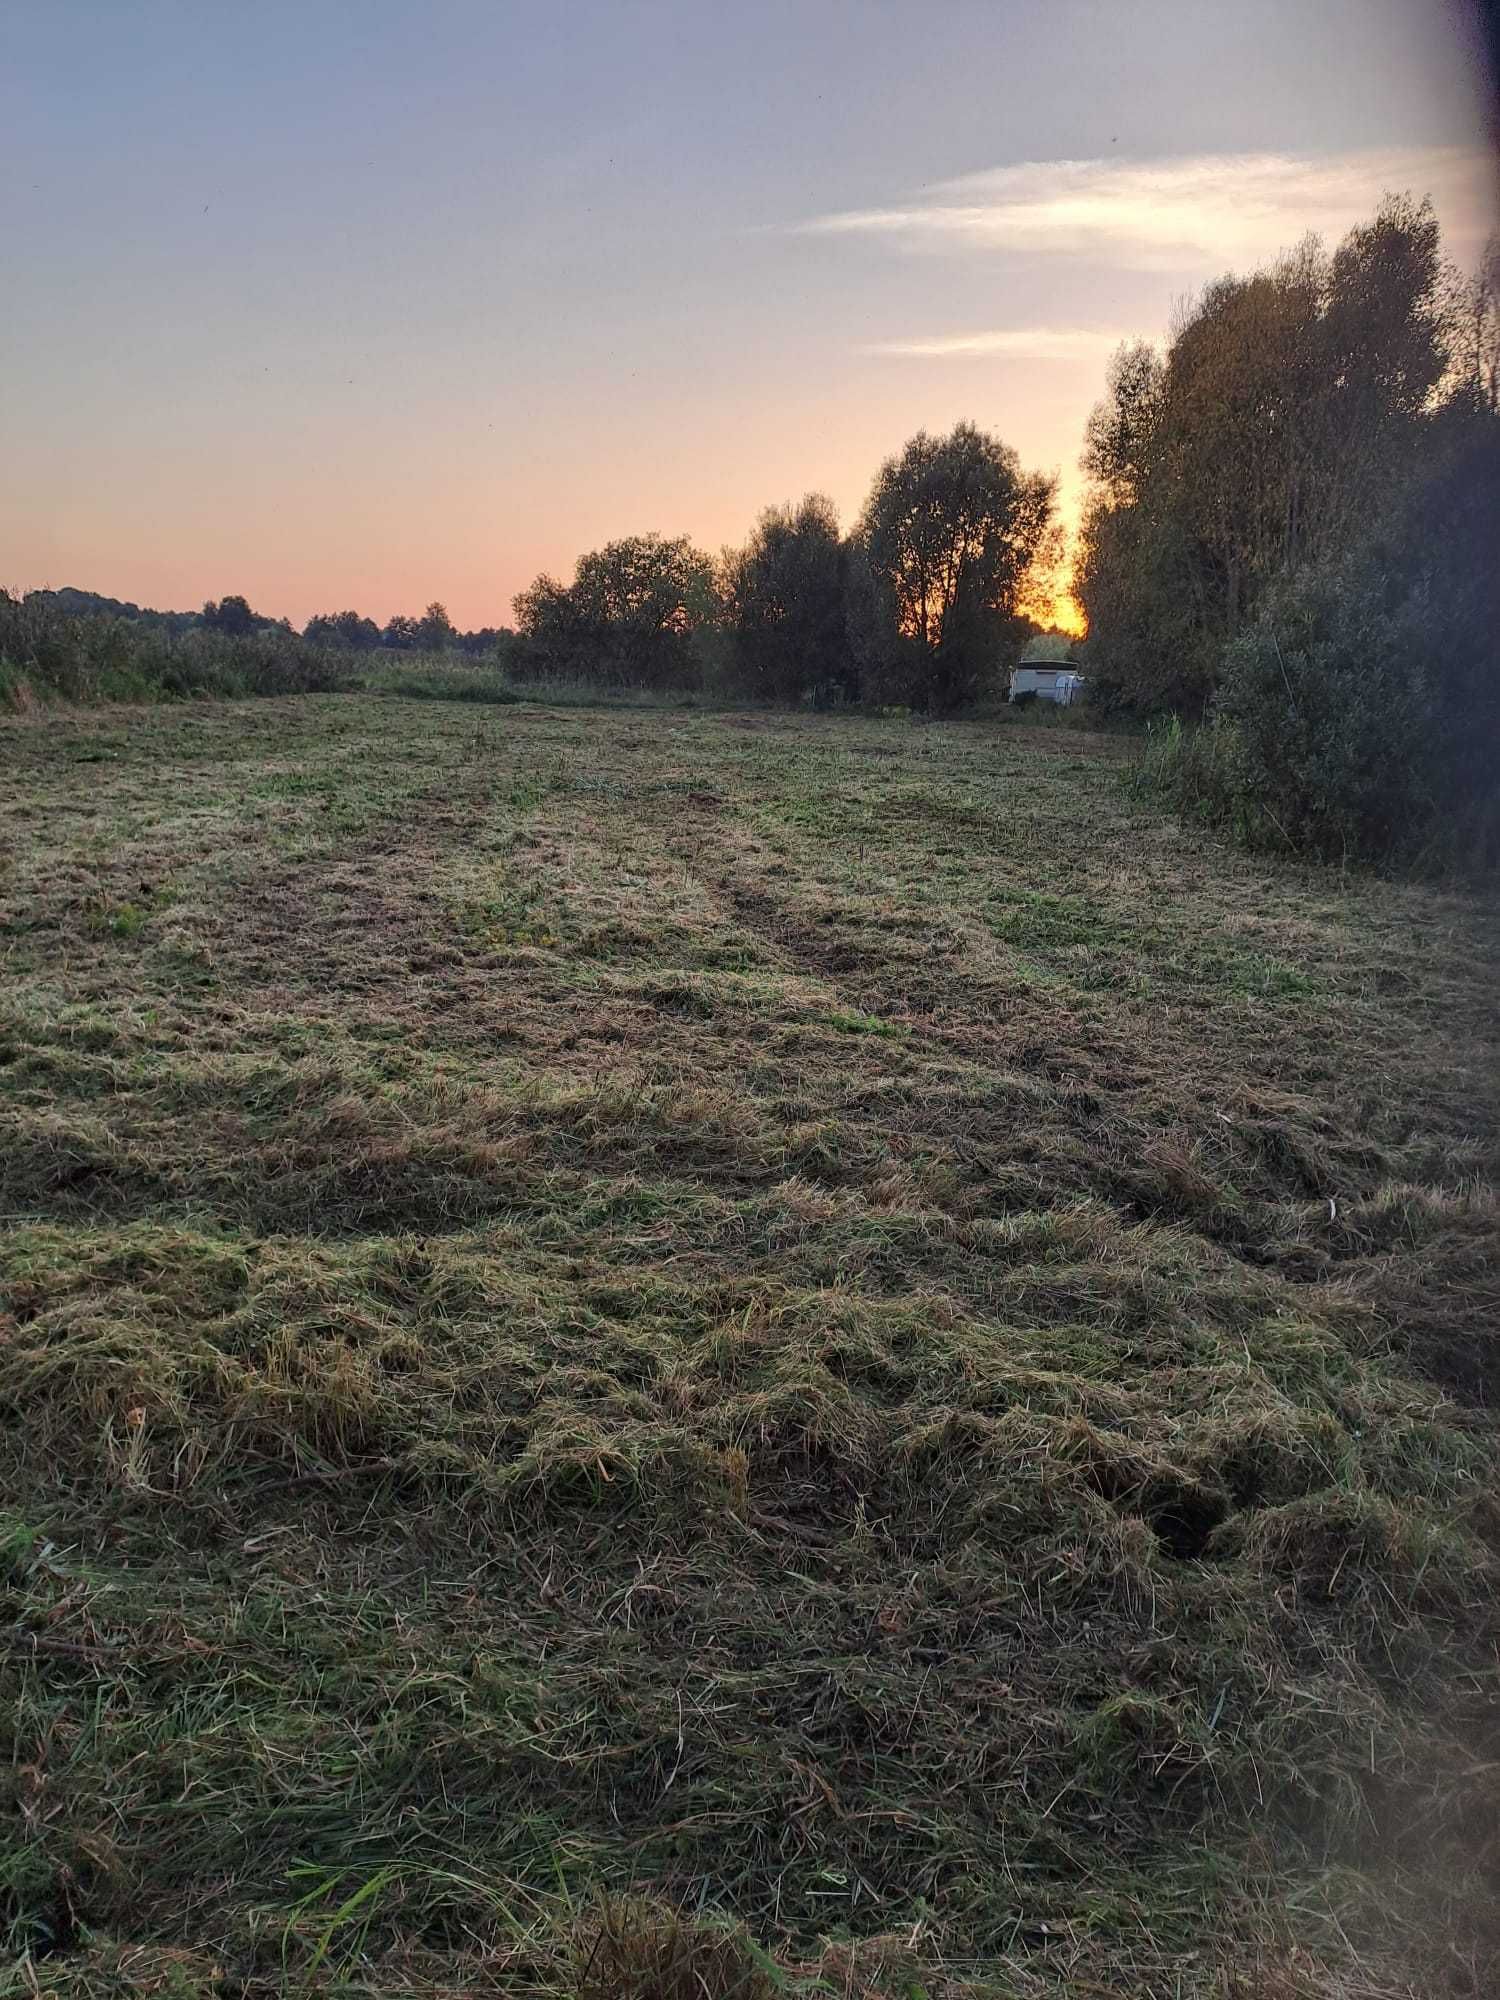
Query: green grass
x,y
660,1354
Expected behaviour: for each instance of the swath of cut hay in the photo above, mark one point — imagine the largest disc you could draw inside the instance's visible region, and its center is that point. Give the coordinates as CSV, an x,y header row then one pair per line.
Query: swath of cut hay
x,y
633,1362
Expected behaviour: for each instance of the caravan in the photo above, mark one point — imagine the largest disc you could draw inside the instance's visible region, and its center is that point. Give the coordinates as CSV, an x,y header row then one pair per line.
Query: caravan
x,y
1046,672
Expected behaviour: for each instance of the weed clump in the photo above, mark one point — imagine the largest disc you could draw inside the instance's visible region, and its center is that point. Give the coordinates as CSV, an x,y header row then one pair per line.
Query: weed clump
x,y
636,1949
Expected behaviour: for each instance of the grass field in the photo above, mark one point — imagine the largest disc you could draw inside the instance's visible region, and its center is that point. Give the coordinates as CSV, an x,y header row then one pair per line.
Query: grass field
x,y
823,1325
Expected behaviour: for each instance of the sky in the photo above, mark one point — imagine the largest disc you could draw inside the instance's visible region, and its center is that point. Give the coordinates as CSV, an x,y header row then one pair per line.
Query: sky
x,y
368,302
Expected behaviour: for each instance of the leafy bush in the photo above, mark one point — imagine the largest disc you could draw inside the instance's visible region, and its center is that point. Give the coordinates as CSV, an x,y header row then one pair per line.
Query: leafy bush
x,y
1330,702
1344,727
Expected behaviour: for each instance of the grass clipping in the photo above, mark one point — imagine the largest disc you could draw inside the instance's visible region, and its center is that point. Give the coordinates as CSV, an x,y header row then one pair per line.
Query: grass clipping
x,y
633,1363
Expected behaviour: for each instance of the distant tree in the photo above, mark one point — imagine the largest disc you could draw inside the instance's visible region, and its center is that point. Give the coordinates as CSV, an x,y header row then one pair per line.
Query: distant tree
x,y
435,630
634,615
401,635
89,603
486,639
784,605
950,533
552,635
342,628
230,615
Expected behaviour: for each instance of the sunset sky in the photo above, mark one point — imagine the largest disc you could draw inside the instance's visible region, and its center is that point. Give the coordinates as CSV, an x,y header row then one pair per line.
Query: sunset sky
x,y
369,303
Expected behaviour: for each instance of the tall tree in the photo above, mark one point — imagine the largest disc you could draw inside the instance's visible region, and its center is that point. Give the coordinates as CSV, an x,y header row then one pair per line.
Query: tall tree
x,y
342,628
1121,429
1286,417
950,532
633,616
230,615
784,601
435,630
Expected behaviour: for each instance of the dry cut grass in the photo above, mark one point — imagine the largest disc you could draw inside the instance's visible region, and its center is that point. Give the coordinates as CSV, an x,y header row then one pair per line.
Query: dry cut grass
x,y
660,1354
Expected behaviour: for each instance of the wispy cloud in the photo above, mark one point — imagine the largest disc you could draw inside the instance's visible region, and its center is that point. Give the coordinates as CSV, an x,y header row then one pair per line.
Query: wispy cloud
x,y
1205,209
1014,343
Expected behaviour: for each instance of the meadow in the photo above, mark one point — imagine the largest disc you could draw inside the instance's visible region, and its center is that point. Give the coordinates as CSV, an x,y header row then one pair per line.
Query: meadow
x,y
651,1352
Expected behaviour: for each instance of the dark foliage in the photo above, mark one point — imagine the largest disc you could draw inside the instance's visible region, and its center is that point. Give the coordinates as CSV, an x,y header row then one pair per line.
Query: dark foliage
x,y
48,654
1358,715
1283,425
1292,532
343,628
784,604
637,614
949,537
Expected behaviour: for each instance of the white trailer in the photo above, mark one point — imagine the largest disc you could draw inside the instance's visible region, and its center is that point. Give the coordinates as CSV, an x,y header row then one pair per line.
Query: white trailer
x,y
1058,683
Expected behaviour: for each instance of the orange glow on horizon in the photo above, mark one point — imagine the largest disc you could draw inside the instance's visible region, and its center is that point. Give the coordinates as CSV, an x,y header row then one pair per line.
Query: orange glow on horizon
x,y
1050,603
1066,615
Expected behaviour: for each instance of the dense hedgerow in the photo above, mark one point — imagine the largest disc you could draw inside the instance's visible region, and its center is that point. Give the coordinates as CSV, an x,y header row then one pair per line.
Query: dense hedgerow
x,y
46,655
1322,735
1357,715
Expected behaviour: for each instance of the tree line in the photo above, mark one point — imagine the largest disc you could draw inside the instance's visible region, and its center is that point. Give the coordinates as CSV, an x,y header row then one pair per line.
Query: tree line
x,y
1288,538
232,617
919,606
1291,534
